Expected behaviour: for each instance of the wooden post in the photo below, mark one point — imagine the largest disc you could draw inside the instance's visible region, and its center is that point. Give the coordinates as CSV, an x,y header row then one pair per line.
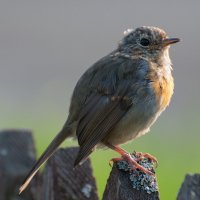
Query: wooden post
x,y
125,185
62,182
17,155
190,188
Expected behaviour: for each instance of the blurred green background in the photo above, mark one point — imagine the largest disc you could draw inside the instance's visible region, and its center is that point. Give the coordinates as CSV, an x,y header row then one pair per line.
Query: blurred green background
x,y
45,46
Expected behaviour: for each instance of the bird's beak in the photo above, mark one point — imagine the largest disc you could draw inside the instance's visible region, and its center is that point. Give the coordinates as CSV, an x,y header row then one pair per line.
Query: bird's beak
x,y
169,41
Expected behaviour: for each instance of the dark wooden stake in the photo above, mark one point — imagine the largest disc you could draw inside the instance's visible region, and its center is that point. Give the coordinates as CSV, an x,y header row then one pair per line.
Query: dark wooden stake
x,y
17,155
119,187
62,182
190,189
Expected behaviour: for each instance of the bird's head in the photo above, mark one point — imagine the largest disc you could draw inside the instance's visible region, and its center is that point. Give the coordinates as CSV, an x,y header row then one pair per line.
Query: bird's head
x,y
147,42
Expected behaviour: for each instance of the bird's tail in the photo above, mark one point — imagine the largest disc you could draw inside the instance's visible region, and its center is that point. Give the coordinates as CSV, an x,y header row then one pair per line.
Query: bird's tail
x,y
62,135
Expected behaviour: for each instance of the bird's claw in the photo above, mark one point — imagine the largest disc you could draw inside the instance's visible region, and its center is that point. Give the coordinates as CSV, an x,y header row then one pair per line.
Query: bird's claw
x,y
113,160
140,156
133,162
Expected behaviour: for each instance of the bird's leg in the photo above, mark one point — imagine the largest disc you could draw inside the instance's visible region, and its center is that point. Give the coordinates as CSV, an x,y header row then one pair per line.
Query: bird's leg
x,y
126,156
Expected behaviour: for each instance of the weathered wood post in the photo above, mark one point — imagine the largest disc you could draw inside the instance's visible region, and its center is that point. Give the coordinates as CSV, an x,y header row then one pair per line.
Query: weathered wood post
x,y
59,180
125,184
62,182
190,189
17,155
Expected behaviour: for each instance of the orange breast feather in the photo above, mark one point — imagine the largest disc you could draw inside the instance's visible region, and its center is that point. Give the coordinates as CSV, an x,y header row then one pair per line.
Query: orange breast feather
x,y
163,85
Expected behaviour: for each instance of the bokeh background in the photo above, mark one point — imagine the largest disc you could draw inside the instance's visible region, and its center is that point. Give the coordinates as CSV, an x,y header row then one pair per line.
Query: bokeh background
x,y
46,45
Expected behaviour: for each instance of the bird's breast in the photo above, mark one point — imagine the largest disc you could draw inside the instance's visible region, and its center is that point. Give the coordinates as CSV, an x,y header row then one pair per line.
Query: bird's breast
x,y
163,85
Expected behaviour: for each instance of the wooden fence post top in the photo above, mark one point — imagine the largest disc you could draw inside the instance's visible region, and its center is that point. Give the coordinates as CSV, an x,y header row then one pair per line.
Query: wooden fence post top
x,y
124,184
190,188
17,155
62,182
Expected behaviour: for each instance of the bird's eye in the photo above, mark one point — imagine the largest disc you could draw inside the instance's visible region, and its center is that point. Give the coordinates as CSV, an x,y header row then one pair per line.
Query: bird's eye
x,y
144,42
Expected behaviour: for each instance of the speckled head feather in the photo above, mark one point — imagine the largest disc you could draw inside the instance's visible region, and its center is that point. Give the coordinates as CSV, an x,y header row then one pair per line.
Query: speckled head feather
x,y
145,41
154,34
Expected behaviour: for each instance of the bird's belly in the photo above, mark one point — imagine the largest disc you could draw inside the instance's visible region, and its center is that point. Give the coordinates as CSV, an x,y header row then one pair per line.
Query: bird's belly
x,y
135,123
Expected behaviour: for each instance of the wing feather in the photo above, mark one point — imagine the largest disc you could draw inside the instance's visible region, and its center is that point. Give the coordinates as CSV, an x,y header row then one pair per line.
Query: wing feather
x,y
96,123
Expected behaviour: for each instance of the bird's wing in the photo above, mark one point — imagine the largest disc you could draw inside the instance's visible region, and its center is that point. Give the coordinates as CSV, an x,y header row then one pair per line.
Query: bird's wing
x,y
99,115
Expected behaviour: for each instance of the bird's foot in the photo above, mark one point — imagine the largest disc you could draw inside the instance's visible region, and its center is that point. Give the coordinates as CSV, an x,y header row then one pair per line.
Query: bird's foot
x,y
135,160
133,163
141,156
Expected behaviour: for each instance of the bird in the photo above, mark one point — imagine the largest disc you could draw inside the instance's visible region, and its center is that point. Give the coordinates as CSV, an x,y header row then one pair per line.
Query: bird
x,y
118,98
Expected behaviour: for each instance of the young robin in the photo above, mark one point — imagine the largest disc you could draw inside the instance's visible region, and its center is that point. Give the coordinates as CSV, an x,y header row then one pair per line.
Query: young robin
x,y
119,97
